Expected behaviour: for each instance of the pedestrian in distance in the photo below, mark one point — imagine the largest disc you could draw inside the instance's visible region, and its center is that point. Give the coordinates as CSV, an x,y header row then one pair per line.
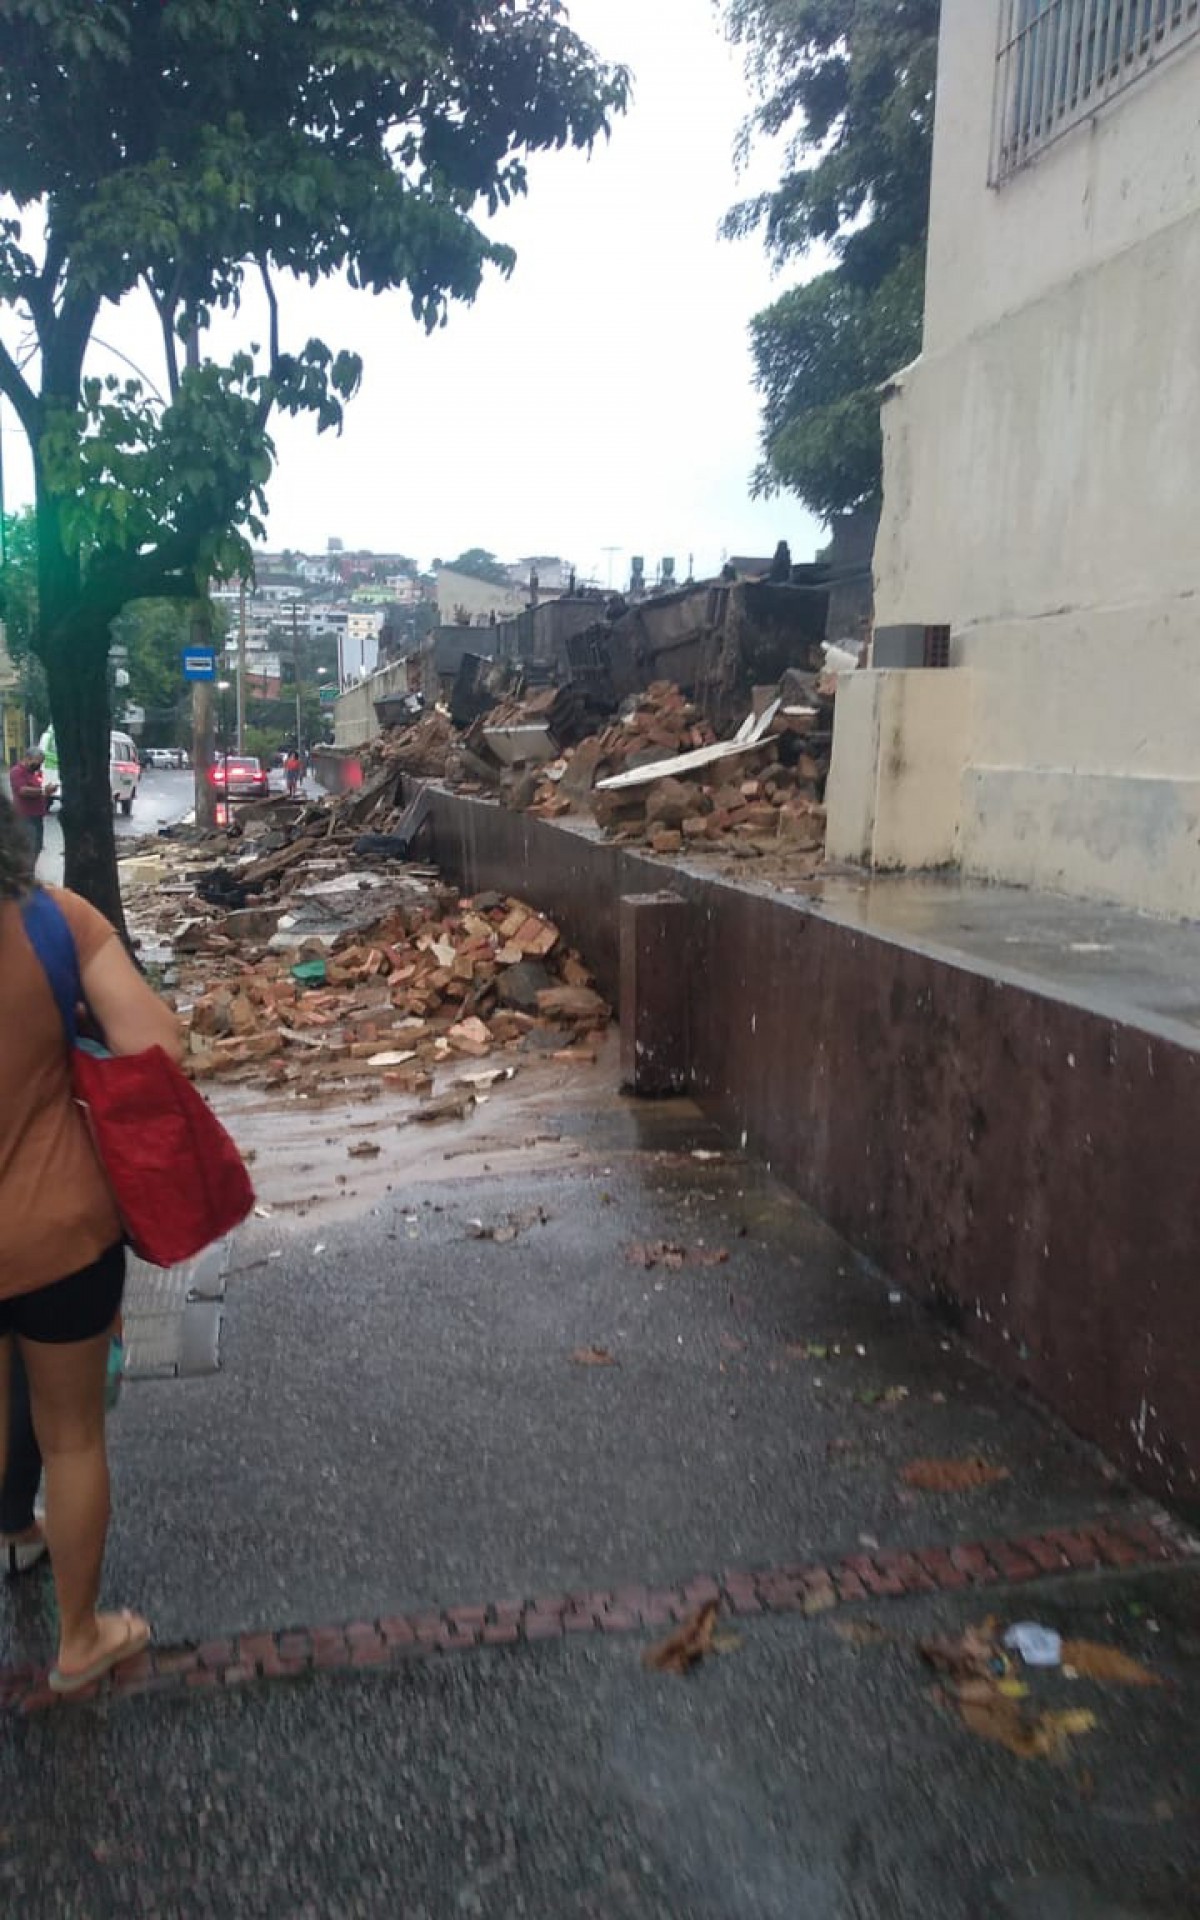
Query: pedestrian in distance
x,y
62,1255
32,794
293,767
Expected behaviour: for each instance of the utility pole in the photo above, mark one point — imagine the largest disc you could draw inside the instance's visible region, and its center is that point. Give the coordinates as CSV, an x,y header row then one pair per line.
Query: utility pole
x,y
202,733
241,671
296,672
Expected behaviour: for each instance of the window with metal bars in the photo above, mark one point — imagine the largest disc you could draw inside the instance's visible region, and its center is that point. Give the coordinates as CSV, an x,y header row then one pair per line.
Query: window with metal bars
x,y
1060,60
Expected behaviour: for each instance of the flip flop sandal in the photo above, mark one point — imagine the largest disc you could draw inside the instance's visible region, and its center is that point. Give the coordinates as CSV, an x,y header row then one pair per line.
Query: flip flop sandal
x,y
20,1556
137,1638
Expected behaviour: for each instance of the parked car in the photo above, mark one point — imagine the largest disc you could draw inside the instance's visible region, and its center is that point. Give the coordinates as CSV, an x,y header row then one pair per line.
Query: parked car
x,y
239,777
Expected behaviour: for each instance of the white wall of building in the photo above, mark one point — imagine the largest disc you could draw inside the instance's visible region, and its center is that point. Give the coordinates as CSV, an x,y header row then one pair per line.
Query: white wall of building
x,y
478,599
1042,469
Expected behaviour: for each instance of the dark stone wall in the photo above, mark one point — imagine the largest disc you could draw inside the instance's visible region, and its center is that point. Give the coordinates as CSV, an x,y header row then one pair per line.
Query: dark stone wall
x,y
1027,1165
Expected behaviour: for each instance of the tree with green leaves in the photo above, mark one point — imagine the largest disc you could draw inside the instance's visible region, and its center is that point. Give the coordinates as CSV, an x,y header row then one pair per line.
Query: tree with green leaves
x,y
206,156
479,564
851,85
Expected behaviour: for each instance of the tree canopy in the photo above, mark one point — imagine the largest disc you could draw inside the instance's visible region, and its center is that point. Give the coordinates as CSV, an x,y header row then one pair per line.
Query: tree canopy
x,y
851,85
481,565
205,156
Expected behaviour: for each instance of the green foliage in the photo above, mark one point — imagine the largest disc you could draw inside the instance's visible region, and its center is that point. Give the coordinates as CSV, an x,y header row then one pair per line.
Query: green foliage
x,y
18,584
852,83
154,634
480,565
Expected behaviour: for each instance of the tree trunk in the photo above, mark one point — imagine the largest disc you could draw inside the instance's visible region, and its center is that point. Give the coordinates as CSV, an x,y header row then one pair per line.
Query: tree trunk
x,y
78,680
72,644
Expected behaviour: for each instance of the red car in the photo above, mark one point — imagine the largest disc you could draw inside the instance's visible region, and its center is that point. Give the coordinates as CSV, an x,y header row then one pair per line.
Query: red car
x,y
239,778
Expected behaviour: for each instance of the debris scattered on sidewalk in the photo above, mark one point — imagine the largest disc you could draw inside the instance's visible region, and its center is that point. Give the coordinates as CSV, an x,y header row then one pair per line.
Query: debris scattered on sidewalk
x,y
670,1255
860,1633
509,1229
688,1645
1039,1736
1038,1646
594,1357
953,1476
1091,1660
978,1681
882,1396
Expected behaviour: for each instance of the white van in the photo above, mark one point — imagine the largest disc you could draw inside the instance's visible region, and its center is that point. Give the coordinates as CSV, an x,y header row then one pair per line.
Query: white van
x,y
124,767
124,770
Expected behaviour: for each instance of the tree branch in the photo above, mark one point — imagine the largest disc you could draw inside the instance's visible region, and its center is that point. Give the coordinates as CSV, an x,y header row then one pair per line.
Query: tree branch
x,y
166,320
63,351
16,388
273,304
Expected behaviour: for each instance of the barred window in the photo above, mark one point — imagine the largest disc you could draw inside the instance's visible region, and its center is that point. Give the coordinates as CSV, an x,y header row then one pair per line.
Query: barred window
x,y
1060,60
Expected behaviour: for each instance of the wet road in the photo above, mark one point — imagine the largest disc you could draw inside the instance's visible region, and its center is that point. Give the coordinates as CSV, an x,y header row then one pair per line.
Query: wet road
x,y
162,798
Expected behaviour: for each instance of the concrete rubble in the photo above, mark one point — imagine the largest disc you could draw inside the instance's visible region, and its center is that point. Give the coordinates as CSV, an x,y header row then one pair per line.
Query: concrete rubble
x,y
655,775
309,970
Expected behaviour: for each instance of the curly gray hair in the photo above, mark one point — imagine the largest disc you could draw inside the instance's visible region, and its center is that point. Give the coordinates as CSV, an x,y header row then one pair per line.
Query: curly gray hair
x,y
16,853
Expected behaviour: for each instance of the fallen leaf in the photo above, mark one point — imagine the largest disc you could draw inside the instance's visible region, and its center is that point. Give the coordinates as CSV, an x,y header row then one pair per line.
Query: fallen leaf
x,y
688,1645
976,1652
882,1396
1093,1661
952,1476
859,1633
1043,1736
364,1150
593,1357
805,1350
710,1256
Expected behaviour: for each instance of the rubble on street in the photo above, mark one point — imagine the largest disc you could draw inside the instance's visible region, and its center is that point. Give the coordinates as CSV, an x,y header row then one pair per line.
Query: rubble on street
x,y
308,953
654,776
306,969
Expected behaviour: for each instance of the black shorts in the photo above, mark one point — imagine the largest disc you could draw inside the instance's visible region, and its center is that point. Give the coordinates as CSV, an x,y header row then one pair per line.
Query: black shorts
x,y
80,1307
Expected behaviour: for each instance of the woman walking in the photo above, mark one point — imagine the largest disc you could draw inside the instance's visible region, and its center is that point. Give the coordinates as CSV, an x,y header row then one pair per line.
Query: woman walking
x,y
62,1259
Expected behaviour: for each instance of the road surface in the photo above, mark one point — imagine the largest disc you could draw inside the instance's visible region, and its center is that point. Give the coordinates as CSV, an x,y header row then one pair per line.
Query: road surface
x,y
162,798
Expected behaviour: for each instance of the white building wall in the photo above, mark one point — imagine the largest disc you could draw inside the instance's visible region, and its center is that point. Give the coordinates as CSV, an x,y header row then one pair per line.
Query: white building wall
x,y
1042,468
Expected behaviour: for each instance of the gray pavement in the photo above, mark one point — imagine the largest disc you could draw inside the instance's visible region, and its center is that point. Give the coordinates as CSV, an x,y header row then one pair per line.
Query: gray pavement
x,y
397,1423
794,1778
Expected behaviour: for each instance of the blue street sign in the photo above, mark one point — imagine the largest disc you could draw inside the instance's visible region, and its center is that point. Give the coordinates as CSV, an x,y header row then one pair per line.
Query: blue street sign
x,y
199,663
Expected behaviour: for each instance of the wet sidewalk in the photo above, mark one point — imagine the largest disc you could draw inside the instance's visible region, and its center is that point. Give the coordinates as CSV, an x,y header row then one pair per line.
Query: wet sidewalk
x,y
496,1407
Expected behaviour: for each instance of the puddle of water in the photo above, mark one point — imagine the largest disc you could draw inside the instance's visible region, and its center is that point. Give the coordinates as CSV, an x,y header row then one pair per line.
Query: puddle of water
x,y
547,1117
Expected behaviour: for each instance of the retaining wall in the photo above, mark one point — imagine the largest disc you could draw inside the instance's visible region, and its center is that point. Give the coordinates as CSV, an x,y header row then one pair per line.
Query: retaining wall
x,y
1028,1164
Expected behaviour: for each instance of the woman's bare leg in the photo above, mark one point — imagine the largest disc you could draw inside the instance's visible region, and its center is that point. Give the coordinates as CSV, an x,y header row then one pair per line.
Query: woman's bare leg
x,y
67,1388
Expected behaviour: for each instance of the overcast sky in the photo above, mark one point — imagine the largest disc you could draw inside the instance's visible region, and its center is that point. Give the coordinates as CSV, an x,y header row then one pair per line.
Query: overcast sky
x,y
600,398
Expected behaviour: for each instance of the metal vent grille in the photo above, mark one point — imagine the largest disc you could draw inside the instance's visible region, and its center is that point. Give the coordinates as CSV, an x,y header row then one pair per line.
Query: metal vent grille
x,y
1060,60
937,646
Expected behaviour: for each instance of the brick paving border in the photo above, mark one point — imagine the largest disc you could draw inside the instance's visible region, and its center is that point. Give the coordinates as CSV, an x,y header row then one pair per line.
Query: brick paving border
x,y
1110,1542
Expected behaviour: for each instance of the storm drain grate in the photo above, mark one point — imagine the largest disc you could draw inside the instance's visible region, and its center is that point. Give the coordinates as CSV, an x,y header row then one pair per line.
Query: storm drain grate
x,y
173,1316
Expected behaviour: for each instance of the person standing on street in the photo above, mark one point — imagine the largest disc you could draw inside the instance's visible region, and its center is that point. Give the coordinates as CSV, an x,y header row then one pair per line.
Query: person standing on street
x,y
32,796
293,767
62,1254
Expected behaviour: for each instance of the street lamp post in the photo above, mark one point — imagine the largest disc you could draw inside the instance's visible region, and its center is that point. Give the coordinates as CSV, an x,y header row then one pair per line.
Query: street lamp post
x,y
223,690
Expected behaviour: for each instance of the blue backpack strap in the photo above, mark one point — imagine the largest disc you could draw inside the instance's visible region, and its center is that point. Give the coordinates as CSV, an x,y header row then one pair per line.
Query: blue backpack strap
x,y
50,936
